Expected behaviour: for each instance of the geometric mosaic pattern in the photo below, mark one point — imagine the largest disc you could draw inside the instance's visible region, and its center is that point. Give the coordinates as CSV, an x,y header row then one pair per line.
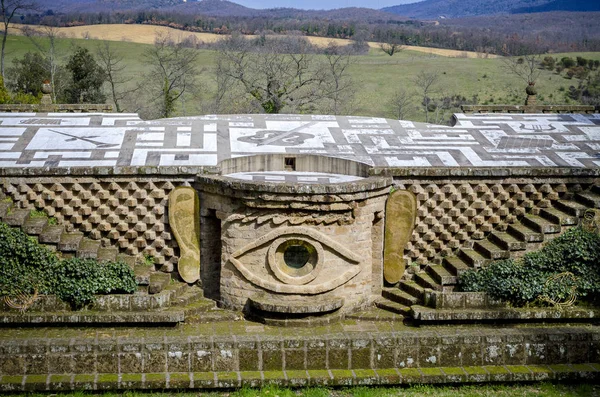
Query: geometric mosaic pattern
x,y
477,140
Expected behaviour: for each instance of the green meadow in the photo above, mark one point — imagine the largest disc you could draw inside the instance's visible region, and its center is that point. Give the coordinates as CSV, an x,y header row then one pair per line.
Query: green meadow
x,y
377,77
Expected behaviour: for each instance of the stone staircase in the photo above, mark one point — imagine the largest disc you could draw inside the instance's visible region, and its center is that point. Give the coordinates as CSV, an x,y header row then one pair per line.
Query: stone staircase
x,y
527,235
173,302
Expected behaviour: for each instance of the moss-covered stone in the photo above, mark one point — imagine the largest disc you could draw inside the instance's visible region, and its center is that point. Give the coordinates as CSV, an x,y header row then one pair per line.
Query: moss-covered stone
x,y
499,373
361,358
294,359
228,380
11,383
132,381
248,360
251,379
272,360
410,375
520,373
204,380
59,382
433,375
319,377
156,381
342,377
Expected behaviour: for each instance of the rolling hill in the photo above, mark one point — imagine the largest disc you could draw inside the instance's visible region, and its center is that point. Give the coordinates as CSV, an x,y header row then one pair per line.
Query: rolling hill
x,y
434,9
216,8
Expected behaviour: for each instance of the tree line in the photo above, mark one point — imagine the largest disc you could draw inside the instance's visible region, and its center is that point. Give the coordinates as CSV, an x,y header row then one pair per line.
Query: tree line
x,y
566,32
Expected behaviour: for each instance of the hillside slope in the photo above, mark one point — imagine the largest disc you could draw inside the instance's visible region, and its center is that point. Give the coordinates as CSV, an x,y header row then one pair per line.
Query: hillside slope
x,y
432,9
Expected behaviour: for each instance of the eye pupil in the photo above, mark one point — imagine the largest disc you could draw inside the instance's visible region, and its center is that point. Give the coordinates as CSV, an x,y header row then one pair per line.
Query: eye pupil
x,y
296,256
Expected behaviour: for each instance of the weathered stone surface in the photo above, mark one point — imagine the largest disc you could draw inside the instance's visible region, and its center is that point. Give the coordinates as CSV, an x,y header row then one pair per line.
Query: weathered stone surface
x,y
158,281
184,218
591,220
401,213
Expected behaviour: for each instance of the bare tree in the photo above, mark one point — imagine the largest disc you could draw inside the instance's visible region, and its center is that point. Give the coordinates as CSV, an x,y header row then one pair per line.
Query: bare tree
x,y
401,103
113,66
426,82
526,67
273,75
391,47
338,86
45,42
172,75
8,10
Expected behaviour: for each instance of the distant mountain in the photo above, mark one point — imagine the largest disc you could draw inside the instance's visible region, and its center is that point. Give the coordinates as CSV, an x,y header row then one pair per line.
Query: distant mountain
x,y
217,8
434,9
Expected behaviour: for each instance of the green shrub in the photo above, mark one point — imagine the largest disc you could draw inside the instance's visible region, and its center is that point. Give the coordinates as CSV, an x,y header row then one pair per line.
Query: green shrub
x,y
77,280
25,266
525,281
23,263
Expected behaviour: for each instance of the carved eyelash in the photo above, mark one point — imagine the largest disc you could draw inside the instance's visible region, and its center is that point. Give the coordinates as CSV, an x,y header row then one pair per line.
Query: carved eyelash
x,y
290,284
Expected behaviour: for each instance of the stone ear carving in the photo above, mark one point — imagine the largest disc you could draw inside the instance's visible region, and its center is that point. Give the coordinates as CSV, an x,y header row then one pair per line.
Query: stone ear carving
x,y
400,217
184,218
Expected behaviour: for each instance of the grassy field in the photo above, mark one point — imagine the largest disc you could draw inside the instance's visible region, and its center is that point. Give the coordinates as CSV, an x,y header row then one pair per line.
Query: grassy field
x,y
517,390
144,34
377,76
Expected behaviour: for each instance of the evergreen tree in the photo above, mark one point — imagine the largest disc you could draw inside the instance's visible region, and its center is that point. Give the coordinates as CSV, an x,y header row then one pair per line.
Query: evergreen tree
x,y
87,78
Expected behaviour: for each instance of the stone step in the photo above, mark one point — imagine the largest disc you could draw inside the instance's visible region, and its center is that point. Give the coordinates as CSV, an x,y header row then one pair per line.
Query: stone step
x,y
93,317
455,265
555,215
426,281
5,207
177,289
524,233
200,306
399,296
88,249
539,224
142,274
490,250
441,275
131,260
107,254
571,207
412,288
16,217
34,226
69,242
472,257
393,307
214,316
590,199
507,241
51,234
193,294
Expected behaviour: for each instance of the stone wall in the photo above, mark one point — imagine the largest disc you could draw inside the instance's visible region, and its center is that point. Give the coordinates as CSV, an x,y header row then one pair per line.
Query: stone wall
x,y
126,211
455,207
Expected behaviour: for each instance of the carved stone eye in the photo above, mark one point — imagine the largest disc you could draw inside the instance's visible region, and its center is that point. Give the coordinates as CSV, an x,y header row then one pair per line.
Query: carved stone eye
x,y
295,259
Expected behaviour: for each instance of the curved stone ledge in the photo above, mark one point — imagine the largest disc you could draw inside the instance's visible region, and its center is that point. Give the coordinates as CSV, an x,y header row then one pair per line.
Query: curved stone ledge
x,y
239,187
300,307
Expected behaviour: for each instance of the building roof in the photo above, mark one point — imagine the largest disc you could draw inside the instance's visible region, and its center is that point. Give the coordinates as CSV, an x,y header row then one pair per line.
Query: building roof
x,y
61,140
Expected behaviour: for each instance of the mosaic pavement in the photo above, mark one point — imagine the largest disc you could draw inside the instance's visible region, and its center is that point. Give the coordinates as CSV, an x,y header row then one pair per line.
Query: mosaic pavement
x,y
477,140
